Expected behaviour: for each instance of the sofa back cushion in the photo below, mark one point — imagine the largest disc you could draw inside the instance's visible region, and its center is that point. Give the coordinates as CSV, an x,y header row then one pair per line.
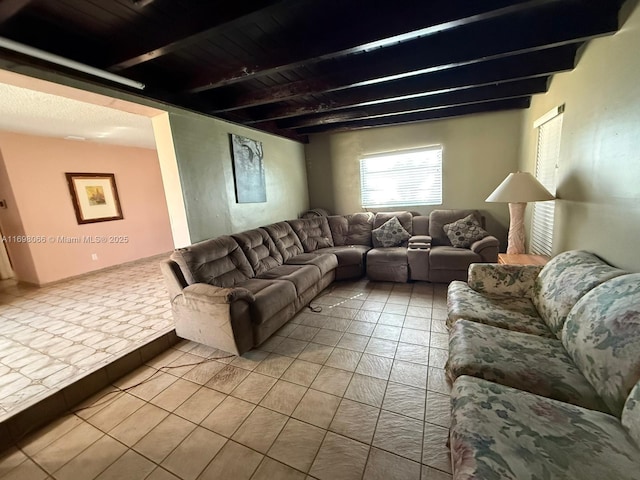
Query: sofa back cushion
x,y
219,261
259,249
420,224
602,335
564,280
354,229
314,233
439,218
285,239
631,413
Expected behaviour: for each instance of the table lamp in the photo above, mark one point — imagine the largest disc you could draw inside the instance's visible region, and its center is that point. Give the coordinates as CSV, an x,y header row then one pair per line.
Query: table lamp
x,y
518,189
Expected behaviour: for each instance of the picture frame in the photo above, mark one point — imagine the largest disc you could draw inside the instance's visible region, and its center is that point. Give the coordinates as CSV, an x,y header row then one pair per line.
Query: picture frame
x,y
248,169
95,197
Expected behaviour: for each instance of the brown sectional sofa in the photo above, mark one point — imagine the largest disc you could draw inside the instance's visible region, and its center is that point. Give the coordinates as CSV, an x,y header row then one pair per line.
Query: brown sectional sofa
x,y
233,292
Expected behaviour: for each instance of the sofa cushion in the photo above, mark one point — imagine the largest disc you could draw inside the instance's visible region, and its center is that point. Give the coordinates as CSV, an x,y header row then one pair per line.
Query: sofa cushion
x,y
388,264
314,233
324,261
390,234
631,413
502,433
271,296
602,335
352,229
259,249
564,280
285,239
452,258
462,233
439,218
512,313
219,261
527,362
302,276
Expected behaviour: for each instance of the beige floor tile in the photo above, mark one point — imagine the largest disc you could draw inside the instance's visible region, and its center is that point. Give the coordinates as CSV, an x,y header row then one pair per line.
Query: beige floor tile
x,y
387,332
408,373
254,387
272,342
435,451
161,474
290,347
385,465
438,357
409,352
131,466
297,444
439,340
375,366
152,387
355,420
164,437
195,452
392,319
400,435
437,381
200,404
304,333
327,337
361,328
415,336
366,389
429,473
287,329
249,360
353,341
317,408
274,365
35,442
227,379
234,461
119,407
137,425
316,353
284,397
439,326
228,416
438,409
340,458
332,380
418,319
343,359
175,394
260,429
301,372
405,400
27,470
203,373
92,461
11,458
59,452
370,312
381,347
270,469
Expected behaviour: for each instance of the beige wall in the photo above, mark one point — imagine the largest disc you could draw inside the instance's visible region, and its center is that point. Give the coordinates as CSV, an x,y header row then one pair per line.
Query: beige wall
x,y
478,153
599,170
39,204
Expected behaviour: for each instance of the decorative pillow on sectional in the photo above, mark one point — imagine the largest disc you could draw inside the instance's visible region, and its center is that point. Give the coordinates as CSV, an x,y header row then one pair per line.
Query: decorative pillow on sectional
x,y
390,234
462,233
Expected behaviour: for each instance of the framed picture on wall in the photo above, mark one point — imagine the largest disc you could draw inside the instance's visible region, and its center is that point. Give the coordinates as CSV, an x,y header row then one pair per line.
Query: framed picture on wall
x,y
248,170
94,197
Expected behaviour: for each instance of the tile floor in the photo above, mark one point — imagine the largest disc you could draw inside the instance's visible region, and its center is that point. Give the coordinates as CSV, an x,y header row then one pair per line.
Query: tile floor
x,y
53,335
354,391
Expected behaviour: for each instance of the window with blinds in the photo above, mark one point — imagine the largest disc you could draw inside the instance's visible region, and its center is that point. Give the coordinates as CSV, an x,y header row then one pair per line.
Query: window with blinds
x,y
410,177
547,157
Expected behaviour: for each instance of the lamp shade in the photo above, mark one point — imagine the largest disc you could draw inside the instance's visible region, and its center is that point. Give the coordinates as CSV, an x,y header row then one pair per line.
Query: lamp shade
x,y
520,187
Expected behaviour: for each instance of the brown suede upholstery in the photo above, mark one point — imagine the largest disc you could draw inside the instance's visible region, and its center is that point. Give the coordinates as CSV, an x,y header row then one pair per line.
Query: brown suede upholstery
x,y
303,277
326,262
314,233
285,239
388,264
439,218
352,229
259,250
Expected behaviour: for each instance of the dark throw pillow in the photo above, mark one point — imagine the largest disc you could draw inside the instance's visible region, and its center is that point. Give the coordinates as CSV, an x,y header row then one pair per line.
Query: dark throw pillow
x,y
390,234
462,233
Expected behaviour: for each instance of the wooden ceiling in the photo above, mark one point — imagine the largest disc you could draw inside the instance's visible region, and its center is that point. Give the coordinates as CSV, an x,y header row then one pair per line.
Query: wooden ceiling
x,y
298,67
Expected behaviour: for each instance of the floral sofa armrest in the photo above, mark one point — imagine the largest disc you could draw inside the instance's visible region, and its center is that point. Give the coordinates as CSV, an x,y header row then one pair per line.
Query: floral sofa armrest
x,y
506,280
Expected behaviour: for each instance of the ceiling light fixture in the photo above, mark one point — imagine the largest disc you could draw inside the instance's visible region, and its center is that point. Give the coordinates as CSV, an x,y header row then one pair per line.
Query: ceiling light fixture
x,y
65,62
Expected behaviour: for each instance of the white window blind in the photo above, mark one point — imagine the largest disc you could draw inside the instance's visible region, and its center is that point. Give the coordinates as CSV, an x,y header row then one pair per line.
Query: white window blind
x,y
547,157
411,177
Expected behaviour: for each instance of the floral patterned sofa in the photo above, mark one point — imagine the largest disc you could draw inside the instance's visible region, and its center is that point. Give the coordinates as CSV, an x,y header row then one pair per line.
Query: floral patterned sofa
x,y
546,371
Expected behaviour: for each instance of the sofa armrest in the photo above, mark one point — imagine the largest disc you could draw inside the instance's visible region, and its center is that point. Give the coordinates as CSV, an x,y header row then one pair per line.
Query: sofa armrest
x,y
203,292
422,242
498,279
487,248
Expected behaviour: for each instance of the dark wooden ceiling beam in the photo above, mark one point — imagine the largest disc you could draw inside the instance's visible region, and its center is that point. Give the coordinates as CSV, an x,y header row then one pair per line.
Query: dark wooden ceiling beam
x,y
447,50
476,108
529,65
503,91
393,22
198,26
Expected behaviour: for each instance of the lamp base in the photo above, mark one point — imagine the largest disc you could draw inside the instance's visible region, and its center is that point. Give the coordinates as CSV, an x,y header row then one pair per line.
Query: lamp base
x,y
515,245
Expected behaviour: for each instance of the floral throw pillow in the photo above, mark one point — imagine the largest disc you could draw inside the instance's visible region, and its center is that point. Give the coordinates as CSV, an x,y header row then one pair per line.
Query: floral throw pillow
x,y
462,233
390,234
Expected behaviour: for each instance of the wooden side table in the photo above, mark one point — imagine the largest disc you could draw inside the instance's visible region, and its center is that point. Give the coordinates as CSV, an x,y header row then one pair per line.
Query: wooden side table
x,y
522,259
